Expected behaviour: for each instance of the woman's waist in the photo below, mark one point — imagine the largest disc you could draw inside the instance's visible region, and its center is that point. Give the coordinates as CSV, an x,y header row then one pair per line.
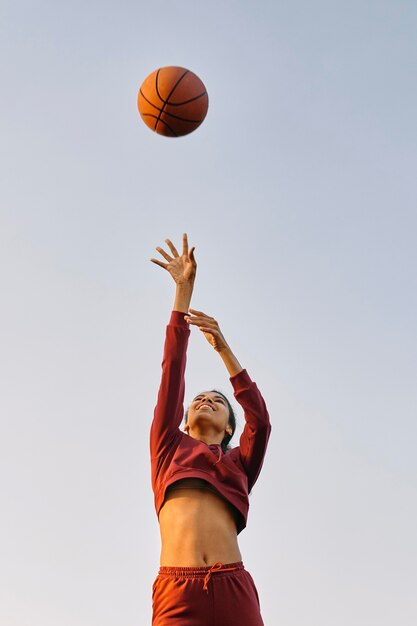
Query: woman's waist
x,y
201,527
196,522
201,553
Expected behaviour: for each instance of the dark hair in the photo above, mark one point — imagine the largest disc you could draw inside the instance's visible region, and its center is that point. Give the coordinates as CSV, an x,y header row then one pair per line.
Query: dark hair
x,y
231,422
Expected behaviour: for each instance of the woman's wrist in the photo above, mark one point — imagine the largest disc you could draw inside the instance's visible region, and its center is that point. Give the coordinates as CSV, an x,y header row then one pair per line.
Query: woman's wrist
x,y
183,294
232,364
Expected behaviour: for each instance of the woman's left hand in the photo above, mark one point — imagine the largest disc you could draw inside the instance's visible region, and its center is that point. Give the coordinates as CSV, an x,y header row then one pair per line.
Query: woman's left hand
x,y
209,327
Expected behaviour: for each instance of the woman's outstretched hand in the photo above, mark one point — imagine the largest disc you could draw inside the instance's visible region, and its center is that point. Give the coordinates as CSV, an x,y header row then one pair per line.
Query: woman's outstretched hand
x,y
182,268
210,329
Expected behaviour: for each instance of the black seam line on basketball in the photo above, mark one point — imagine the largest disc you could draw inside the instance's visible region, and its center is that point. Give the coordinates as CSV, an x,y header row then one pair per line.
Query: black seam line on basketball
x,y
170,93
172,90
156,87
148,101
182,119
178,104
162,121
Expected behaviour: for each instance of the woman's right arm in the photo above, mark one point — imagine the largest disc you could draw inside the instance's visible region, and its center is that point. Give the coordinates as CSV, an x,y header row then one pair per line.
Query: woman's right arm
x,y
169,409
254,439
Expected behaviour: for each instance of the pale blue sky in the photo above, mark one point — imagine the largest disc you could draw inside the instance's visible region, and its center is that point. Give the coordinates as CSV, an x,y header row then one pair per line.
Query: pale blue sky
x,y
299,191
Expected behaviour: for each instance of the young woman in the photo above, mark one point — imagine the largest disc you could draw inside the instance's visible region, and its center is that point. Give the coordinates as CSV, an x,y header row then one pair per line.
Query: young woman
x,y
201,486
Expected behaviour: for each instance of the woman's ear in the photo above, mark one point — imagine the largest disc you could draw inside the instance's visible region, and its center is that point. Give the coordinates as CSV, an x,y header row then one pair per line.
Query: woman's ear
x,y
229,430
186,428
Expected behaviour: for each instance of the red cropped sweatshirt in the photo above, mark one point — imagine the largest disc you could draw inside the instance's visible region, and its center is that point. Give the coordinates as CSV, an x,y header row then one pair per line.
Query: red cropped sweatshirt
x,y
176,455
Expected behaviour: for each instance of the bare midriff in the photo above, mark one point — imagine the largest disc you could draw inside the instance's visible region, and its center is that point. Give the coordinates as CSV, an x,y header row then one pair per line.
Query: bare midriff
x,y
198,527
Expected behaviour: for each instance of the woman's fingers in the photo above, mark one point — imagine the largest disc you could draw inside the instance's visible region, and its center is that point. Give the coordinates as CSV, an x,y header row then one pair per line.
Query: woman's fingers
x,y
171,247
164,265
174,251
164,254
213,328
208,330
185,244
200,314
205,321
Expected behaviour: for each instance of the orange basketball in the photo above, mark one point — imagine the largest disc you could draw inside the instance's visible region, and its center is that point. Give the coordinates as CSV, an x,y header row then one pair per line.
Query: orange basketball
x,y
172,101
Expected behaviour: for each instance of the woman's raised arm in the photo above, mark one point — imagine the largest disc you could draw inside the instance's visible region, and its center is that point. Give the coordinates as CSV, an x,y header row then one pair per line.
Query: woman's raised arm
x,y
255,435
169,409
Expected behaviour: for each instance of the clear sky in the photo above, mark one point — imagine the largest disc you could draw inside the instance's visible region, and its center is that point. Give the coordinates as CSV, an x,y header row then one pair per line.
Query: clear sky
x,y
299,191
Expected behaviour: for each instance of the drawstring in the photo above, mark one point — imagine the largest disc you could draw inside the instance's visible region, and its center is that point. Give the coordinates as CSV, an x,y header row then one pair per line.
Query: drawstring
x,y
217,567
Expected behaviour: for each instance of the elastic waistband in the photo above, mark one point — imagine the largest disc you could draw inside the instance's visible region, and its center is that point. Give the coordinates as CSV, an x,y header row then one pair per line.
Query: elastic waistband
x,y
200,572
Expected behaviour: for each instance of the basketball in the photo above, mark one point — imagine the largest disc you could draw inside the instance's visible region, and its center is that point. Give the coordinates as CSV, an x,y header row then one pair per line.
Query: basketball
x,y
172,101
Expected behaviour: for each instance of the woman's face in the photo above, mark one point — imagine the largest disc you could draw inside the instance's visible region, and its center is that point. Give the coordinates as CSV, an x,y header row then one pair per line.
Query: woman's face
x,y
210,409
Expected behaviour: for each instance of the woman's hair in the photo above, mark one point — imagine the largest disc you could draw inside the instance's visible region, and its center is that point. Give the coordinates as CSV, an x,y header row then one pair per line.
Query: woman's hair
x,y
231,422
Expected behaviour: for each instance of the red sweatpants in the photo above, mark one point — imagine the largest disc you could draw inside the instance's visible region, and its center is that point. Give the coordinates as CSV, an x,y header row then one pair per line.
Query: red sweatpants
x,y
220,595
